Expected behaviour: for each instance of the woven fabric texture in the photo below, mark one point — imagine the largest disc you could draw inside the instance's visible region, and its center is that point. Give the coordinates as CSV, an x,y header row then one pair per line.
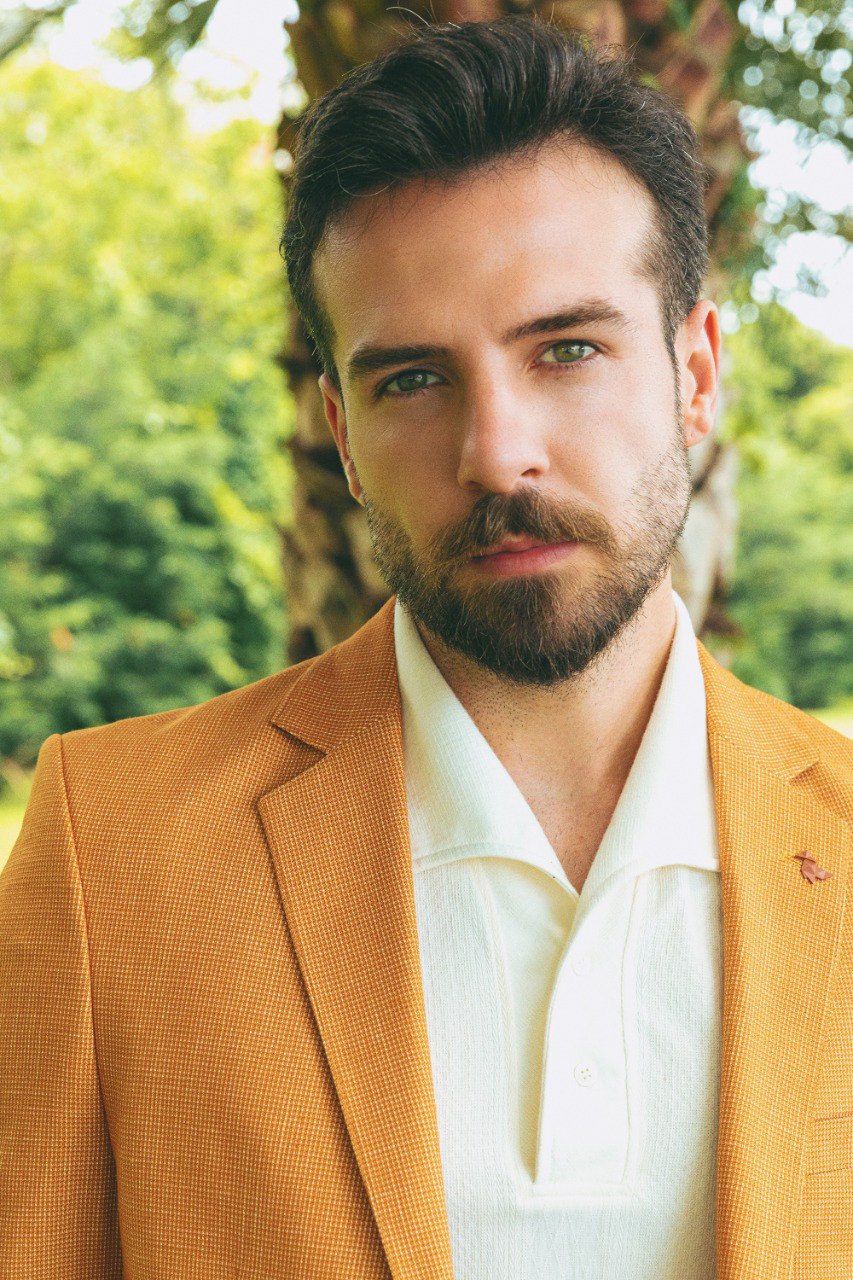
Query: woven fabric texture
x,y
215,1062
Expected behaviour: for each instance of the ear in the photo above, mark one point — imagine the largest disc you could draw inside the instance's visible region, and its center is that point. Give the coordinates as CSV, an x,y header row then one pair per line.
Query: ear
x,y
697,347
333,407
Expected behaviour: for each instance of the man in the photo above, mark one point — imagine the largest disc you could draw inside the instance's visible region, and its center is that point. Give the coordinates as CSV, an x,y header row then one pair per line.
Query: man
x,y
508,938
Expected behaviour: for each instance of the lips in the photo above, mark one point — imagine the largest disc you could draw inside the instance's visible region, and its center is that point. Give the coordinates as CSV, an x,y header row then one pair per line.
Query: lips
x,y
516,544
524,556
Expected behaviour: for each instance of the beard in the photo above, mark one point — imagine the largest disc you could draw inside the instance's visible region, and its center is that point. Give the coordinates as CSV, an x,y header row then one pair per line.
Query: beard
x,y
549,626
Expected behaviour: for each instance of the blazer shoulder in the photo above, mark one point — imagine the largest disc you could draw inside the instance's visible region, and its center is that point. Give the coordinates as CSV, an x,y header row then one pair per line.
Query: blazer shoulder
x,y
836,749
776,731
830,777
228,718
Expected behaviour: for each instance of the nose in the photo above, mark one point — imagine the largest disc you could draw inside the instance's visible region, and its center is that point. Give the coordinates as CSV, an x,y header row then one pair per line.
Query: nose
x,y
501,439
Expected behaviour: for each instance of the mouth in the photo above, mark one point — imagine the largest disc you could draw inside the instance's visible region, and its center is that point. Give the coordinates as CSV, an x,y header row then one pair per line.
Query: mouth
x,y
521,556
514,545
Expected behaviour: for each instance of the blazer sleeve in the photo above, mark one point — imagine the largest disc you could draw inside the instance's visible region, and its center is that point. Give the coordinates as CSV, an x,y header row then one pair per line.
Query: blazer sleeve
x,y
58,1204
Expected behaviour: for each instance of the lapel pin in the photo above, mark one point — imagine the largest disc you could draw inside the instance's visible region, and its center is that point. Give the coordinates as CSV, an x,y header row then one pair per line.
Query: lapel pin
x,y
808,866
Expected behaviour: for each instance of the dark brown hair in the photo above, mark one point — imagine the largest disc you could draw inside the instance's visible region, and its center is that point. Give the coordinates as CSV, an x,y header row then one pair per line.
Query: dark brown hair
x,y
451,99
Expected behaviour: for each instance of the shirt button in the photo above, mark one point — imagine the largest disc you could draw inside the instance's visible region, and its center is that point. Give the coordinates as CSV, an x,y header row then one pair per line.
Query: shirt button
x,y
585,1073
581,963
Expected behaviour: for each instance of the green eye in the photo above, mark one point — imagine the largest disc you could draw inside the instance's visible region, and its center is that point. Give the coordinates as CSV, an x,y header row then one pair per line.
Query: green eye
x,y
566,346
411,382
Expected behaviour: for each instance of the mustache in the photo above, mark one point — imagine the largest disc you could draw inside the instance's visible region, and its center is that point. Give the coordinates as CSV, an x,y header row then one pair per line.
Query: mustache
x,y
526,513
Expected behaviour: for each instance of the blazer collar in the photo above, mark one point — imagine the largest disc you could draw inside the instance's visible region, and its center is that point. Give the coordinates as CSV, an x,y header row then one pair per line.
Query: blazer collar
x,y
338,836
354,684
346,689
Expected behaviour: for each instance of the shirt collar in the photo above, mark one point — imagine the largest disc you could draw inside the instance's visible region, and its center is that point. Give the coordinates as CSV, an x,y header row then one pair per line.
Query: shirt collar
x,y
464,803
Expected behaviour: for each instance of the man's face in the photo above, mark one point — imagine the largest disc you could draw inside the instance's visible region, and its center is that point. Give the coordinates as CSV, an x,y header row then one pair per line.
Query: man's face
x,y
519,420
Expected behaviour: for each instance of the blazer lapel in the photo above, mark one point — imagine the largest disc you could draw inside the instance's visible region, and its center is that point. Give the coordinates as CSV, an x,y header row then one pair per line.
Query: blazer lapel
x,y
780,942
338,834
339,838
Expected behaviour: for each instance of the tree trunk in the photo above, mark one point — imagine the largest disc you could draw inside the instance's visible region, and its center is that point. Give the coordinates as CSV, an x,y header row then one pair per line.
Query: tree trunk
x,y
332,584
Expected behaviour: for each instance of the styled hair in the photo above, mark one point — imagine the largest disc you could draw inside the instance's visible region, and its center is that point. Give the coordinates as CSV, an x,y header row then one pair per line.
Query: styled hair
x,y
452,99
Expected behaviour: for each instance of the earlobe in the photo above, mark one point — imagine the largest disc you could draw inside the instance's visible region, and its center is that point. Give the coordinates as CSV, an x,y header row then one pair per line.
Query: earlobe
x,y
349,469
697,426
352,483
699,417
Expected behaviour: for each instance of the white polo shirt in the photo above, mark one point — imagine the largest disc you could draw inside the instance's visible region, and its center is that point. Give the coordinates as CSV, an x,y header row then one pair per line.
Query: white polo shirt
x,y
574,1038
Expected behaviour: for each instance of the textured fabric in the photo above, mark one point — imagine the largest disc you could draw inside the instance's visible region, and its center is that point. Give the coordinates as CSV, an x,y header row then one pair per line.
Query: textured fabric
x,y
215,1051
574,1038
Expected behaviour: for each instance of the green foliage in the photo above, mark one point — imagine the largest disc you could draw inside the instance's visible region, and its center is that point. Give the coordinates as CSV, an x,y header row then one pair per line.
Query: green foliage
x,y
161,32
792,593
793,62
141,413
18,25
141,478
790,60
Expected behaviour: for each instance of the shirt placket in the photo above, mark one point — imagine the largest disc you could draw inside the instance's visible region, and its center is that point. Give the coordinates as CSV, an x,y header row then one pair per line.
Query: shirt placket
x,y
584,1127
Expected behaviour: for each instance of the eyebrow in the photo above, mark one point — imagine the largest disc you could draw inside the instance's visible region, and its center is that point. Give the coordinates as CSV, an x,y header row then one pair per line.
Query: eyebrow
x,y
370,357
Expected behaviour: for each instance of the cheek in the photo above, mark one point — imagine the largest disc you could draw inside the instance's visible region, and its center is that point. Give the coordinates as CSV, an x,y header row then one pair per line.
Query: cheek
x,y
616,398
595,448
401,463
414,484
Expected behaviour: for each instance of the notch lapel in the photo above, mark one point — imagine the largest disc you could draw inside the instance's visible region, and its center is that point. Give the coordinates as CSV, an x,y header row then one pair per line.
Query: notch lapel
x,y
339,838
780,946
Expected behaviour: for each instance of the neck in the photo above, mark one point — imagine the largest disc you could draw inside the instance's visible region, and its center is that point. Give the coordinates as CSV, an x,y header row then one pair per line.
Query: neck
x,y
580,736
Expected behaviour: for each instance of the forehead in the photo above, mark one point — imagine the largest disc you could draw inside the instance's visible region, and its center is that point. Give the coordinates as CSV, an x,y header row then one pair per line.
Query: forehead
x,y
418,261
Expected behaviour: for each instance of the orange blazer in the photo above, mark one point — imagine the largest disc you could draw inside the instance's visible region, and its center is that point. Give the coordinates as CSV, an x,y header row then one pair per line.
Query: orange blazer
x,y
215,1062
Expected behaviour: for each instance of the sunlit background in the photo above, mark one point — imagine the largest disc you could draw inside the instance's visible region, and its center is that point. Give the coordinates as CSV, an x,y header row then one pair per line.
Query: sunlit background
x,y
143,486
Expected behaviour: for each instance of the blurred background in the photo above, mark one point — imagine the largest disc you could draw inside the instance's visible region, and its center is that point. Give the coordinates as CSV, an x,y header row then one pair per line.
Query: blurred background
x,y
174,521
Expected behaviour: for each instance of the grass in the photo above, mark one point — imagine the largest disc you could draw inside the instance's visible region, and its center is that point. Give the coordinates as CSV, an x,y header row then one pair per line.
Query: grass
x,y
14,801
15,785
840,717
11,816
